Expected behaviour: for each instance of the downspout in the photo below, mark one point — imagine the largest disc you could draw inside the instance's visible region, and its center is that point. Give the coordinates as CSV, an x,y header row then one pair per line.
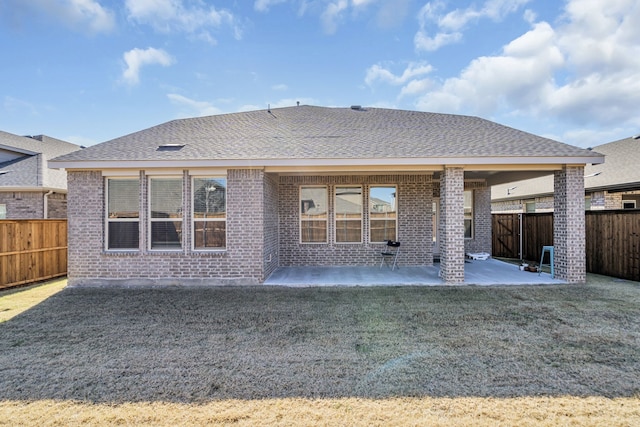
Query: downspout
x,y
46,204
520,217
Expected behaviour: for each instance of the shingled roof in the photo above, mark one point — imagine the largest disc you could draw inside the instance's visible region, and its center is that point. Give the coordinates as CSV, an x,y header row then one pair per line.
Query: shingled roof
x,y
620,172
321,135
23,161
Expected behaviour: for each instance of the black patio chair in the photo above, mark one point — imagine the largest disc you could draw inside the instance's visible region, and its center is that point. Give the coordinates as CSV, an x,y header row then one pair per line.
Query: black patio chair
x,y
390,254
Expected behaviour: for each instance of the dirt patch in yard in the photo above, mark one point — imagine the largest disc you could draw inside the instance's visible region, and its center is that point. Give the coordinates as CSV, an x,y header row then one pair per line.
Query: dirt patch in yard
x,y
192,345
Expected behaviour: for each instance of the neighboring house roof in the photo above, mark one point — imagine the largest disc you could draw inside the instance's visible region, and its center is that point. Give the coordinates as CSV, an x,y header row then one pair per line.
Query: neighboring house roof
x,y
23,162
320,136
620,172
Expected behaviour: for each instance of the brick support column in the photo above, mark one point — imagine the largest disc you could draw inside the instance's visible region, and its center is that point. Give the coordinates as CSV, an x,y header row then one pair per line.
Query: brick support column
x,y
569,223
452,225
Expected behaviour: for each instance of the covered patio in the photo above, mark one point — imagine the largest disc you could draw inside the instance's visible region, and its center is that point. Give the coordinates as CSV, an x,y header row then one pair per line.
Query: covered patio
x,y
489,272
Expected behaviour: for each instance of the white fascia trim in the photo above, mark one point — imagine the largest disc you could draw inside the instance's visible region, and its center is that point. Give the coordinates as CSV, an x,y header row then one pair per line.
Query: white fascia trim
x,y
388,163
32,189
18,150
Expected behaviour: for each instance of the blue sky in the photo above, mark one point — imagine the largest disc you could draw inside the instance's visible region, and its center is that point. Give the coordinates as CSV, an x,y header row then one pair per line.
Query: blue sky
x,y
87,71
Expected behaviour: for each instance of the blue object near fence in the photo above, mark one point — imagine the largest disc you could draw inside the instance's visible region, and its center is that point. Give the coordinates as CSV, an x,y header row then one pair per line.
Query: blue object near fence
x,y
550,250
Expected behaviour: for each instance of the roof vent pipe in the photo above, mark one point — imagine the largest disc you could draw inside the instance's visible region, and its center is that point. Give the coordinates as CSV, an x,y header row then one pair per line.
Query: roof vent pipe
x,y
298,102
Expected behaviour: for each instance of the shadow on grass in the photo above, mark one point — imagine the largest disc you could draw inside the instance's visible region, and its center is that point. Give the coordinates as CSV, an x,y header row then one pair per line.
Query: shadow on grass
x,y
196,345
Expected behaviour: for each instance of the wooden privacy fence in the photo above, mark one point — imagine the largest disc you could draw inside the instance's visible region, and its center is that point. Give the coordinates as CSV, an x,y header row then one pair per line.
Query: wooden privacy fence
x,y
32,250
612,239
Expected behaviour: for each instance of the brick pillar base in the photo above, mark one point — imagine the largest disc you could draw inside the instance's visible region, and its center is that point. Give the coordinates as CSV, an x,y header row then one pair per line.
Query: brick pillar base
x,y
569,223
452,225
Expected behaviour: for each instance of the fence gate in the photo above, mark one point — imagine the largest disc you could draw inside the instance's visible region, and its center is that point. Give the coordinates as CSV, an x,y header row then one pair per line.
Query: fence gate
x,y
506,235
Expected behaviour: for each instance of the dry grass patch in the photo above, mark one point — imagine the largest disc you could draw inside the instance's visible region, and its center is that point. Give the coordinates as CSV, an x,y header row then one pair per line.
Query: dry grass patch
x,y
538,411
370,356
15,301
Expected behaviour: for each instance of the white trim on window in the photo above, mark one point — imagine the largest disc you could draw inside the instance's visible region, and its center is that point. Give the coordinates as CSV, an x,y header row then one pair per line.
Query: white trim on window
x,y
383,203
209,191
176,210
313,208
123,217
350,193
469,214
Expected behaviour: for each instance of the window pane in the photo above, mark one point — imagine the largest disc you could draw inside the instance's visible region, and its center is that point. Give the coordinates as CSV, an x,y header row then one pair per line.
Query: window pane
x,y
124,198
313,202
3,211
209,197
313,231
468,214
348,214
382,214
210,234
166,198
468,229
166,235
383,230
348,231
313,214
348,202
123,235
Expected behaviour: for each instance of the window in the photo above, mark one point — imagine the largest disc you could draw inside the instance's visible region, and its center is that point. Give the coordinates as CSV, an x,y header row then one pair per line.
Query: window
x,y
587,203
3,211
435,217
313,214
382,214
123,214
209,213
348,214
165,206
628,204
468,214
529,207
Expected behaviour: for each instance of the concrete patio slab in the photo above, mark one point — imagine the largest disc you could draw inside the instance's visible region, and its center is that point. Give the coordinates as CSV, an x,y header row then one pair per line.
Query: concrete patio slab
x,y
477,272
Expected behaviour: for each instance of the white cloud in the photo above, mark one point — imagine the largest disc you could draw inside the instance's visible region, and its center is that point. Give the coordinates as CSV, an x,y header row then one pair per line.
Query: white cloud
x,y
136,58
450,25
362,3
423,42
412,78
584,69
194,108
174,16
84,15
264,5
378,72
585,137
416,87
333,14
521,77
392,13
280,87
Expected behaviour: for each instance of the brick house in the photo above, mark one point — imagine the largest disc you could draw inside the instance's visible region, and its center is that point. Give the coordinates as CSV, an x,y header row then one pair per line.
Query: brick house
x,y
614,184
227,199
28,188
